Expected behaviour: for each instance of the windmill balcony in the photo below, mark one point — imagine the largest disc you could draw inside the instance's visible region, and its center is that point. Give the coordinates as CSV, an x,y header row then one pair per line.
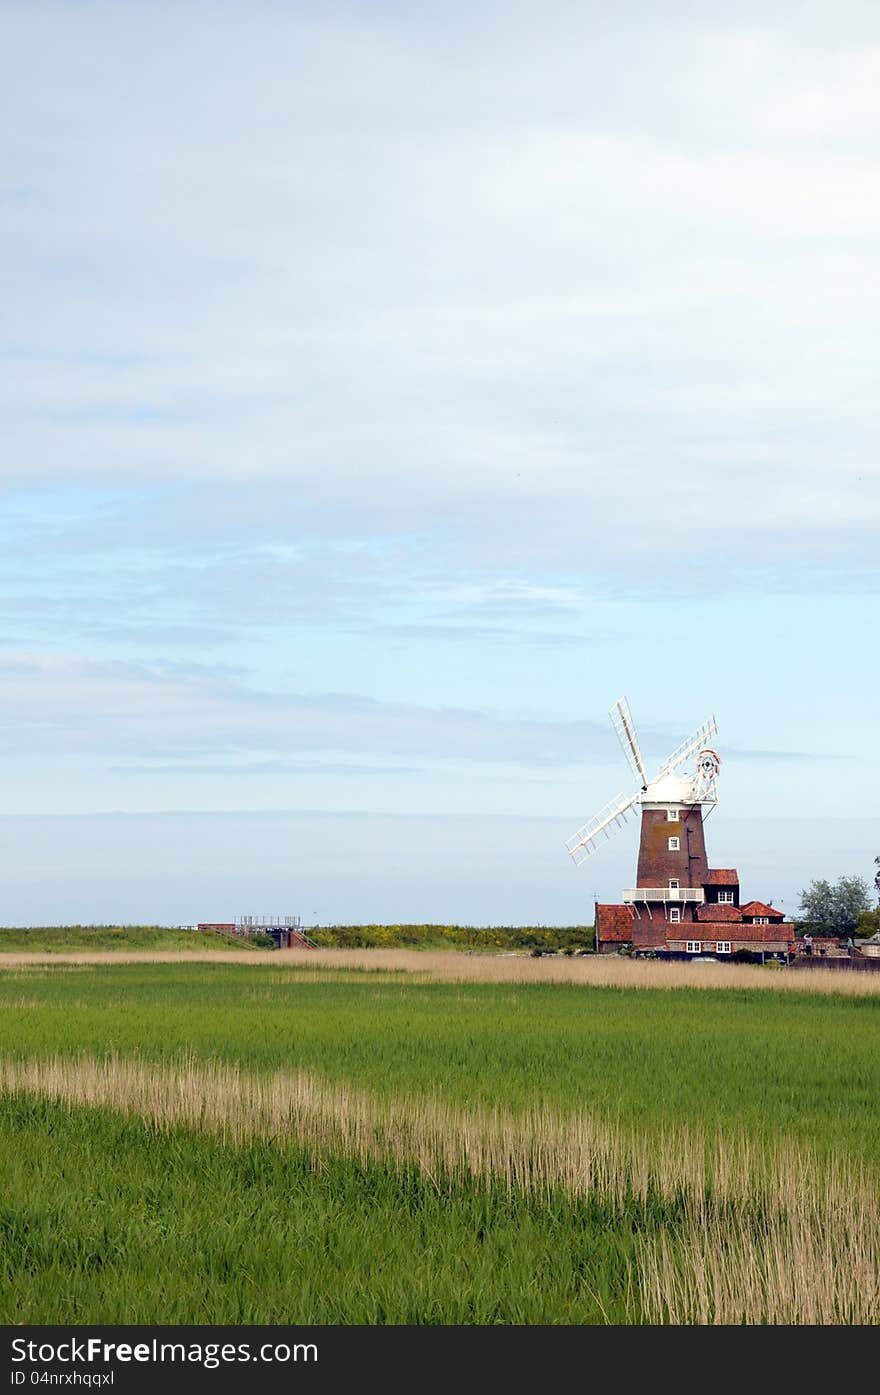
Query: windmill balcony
x,y
664,893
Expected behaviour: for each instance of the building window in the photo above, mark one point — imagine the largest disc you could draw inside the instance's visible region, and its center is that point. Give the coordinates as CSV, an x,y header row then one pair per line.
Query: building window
x,y
674,915
673,815
673,883
722,947
726,897
694,947
762,920
675,845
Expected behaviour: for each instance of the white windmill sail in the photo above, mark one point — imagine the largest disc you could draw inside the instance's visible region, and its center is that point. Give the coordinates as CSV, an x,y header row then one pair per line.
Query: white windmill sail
x,y
623,724
689,747
612,816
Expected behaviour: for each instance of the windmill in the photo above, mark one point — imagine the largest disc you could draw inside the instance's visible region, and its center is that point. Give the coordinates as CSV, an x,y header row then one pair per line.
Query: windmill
x,y
672,850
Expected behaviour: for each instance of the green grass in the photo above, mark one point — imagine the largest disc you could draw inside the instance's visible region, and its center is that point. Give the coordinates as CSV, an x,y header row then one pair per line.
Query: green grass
x,y
104,1218
75,939
72,938
794,1063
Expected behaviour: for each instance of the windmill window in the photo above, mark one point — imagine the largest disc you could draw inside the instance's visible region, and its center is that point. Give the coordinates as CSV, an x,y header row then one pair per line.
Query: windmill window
x,y
673,883
694,947
726,897
673,815
674,915
675,845
722,947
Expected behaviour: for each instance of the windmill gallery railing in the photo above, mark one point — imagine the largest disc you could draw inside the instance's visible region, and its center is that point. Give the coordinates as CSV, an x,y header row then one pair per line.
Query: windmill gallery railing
x,y
664,893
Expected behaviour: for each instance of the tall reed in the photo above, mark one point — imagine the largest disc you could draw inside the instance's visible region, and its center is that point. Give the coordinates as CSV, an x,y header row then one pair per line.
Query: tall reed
x,y
732,1231
452,966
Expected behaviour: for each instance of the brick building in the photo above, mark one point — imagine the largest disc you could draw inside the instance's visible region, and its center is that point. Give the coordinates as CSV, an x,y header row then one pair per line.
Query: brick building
x,y
679,905
680,918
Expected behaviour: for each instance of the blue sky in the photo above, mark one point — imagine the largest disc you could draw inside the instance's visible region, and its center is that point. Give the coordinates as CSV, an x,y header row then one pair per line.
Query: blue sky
x,y
384,393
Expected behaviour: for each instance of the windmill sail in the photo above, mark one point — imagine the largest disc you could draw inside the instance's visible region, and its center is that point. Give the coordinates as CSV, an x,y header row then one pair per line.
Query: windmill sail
x,y
689,747
609,818
623,724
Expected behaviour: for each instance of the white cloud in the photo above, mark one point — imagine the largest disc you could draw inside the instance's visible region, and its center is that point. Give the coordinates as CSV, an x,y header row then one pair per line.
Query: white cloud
x,y
603,280
153,712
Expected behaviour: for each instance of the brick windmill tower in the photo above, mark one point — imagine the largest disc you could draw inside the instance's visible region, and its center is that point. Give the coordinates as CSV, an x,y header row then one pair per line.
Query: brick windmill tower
x,y
673,870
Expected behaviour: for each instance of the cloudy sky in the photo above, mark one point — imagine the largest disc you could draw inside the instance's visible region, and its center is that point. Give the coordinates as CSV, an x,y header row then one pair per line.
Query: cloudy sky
x,y
386,388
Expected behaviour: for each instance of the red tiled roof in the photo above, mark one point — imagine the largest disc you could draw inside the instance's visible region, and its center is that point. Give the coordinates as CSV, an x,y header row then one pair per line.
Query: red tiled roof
x,y
758,908
721,911
778,930
614,923
722,876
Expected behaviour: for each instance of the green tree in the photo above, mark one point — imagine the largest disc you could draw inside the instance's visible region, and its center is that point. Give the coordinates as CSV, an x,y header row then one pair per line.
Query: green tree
x,y
877,877
834,909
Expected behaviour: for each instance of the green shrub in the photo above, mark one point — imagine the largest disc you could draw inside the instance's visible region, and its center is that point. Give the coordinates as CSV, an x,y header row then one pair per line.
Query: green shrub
x,y
503,937
263,941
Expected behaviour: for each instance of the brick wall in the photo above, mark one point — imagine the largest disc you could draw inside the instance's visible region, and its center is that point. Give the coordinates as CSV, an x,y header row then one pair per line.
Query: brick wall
x,y
657,864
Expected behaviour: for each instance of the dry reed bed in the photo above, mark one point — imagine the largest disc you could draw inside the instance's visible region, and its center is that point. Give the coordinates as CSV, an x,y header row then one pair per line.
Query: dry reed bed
x,y
452,966
761,1233
799,1271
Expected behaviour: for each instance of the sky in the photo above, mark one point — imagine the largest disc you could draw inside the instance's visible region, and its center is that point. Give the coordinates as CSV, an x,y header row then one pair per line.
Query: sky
x,y
386,389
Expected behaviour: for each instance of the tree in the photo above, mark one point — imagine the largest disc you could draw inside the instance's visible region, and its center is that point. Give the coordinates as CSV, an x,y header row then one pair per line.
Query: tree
x,y
877,876
827,909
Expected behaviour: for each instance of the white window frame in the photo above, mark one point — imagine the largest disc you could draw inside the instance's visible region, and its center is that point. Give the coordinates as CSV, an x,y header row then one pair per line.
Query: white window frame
x,y
694,947
675,845
674,915
673,815
761,920
674,884
722,946
725,898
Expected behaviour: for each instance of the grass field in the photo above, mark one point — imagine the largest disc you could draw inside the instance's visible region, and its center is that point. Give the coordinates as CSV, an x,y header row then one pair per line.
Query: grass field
x,y
70,939
291,1141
